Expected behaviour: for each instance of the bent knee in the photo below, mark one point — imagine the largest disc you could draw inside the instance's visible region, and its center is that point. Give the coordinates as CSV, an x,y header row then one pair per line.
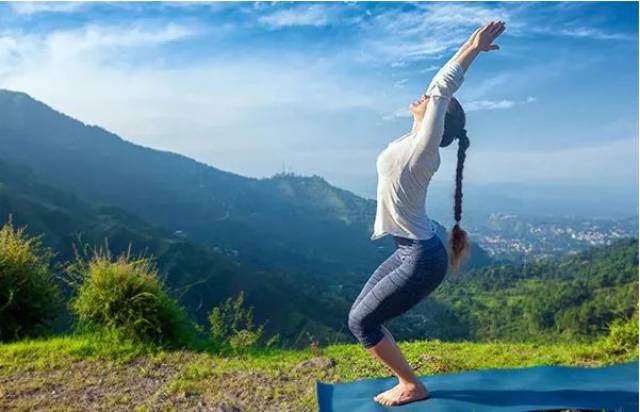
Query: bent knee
x,y
355,322
364,328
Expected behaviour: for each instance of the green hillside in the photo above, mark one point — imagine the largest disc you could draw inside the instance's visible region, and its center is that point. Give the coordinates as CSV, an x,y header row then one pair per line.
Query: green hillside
x,y
202,277
570,298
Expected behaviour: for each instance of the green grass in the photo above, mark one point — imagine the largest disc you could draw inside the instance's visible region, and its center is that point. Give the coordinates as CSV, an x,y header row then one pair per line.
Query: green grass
x,y
89,372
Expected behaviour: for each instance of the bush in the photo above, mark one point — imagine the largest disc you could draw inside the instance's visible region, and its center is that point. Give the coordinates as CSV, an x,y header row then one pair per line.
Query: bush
x,y
232,327
125,295
623,336
29,295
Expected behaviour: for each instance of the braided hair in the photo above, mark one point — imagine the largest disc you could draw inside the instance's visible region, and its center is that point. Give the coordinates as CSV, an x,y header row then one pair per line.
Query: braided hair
x,y
454,128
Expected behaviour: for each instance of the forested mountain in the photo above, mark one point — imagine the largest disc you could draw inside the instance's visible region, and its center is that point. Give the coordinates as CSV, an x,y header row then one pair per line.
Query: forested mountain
x,y
301,225
199,276
573,297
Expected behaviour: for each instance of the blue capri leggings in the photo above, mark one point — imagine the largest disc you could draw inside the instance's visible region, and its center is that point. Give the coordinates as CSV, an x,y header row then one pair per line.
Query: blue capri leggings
x,y
412,272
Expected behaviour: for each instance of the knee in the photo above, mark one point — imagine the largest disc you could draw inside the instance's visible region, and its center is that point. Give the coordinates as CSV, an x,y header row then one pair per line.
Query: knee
x,y
355,323
364,329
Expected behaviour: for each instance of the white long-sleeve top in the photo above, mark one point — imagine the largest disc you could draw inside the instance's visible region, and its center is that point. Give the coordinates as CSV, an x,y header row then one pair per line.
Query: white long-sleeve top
x,y
406,165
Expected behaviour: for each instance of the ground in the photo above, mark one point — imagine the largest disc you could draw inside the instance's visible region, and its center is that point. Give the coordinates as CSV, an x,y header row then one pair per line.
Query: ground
x,y
84,373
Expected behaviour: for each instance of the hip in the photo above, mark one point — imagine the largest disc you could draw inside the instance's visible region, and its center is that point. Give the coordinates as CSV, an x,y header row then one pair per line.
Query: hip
x,y
424,259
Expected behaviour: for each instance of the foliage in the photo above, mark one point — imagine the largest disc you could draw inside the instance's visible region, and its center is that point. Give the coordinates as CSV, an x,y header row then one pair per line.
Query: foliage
x,y
623,337
569,298
29,294
124,294
232,327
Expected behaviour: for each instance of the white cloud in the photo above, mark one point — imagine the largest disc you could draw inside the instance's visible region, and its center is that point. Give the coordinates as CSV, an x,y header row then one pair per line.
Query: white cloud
x,y
592,33
578,32
428,31
400,83
400,113
476,105
431,30
97,37
430,68
28,7
315,15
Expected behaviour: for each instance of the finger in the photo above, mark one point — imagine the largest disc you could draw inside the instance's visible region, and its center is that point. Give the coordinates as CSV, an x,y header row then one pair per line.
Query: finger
x,y
495,33
500,31
486,27
495,28
494,47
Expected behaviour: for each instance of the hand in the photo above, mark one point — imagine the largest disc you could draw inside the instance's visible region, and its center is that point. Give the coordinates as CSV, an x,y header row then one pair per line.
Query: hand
x,y
482,39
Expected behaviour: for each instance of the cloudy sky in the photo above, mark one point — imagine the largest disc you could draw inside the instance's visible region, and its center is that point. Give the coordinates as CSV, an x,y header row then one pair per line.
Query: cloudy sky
x,y
321,88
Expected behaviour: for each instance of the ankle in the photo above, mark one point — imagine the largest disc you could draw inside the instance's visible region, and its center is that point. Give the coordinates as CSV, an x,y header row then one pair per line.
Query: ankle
x,y
411,383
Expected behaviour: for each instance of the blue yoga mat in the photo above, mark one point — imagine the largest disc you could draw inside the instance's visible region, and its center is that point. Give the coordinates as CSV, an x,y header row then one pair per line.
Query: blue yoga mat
x,y
500,390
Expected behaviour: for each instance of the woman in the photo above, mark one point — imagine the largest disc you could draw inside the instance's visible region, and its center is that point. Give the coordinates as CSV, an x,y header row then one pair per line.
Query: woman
x,y
420,260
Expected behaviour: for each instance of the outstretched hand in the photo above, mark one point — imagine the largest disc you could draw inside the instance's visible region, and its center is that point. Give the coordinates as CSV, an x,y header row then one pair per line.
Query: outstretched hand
x,y
484,36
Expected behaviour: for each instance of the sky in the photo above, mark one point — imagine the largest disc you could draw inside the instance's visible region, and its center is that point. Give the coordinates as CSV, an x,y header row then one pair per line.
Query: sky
x,y
321,88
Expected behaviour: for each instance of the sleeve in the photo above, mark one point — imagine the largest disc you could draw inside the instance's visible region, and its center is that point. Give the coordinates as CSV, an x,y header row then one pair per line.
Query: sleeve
x,y
447,80
444,84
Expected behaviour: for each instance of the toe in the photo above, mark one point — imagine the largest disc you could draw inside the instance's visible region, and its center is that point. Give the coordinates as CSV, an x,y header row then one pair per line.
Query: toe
x,y
385,398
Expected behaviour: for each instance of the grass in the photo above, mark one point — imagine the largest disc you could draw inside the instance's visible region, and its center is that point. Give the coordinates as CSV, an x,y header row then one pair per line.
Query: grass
x,y
102,373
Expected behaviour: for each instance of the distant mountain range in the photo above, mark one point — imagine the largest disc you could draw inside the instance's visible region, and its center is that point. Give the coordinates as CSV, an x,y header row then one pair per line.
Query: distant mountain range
x,y
301,225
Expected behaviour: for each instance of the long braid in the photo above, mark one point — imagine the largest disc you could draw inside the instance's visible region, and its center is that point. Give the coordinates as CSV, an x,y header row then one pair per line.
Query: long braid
x,y
458,240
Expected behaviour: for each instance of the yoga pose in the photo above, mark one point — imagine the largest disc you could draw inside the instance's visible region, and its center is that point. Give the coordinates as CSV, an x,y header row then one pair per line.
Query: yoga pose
x,y
421,260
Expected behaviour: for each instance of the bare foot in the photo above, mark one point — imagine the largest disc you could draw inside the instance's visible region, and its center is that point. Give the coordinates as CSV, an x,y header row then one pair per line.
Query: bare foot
x,y
403,393
386,394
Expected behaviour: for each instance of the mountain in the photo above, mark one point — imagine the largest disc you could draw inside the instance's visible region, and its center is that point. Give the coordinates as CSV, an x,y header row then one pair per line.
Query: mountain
x,y
200,276
573,297
301,225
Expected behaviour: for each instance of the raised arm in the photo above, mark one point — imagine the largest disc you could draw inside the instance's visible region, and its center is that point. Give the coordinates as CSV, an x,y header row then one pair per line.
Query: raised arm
x,y
447,81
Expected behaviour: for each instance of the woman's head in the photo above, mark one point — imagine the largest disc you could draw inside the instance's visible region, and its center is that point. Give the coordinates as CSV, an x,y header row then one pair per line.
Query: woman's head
x,y
419,107
454,119
454,127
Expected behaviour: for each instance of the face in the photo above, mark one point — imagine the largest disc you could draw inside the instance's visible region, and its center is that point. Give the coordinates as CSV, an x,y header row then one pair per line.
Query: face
x,y
419,107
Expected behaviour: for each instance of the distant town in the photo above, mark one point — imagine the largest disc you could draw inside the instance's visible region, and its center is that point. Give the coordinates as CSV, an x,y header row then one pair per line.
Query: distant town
x,y
515,237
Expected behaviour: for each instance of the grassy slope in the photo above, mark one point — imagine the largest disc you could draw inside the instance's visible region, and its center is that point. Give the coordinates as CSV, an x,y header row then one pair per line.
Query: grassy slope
x,y
74,373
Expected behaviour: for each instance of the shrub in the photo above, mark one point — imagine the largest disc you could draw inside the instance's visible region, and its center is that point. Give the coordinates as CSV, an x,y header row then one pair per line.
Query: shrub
x,y
232,327
623,336
125,295
29,294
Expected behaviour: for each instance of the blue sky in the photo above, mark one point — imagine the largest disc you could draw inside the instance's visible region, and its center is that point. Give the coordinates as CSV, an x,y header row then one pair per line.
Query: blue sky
x,y
321,88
